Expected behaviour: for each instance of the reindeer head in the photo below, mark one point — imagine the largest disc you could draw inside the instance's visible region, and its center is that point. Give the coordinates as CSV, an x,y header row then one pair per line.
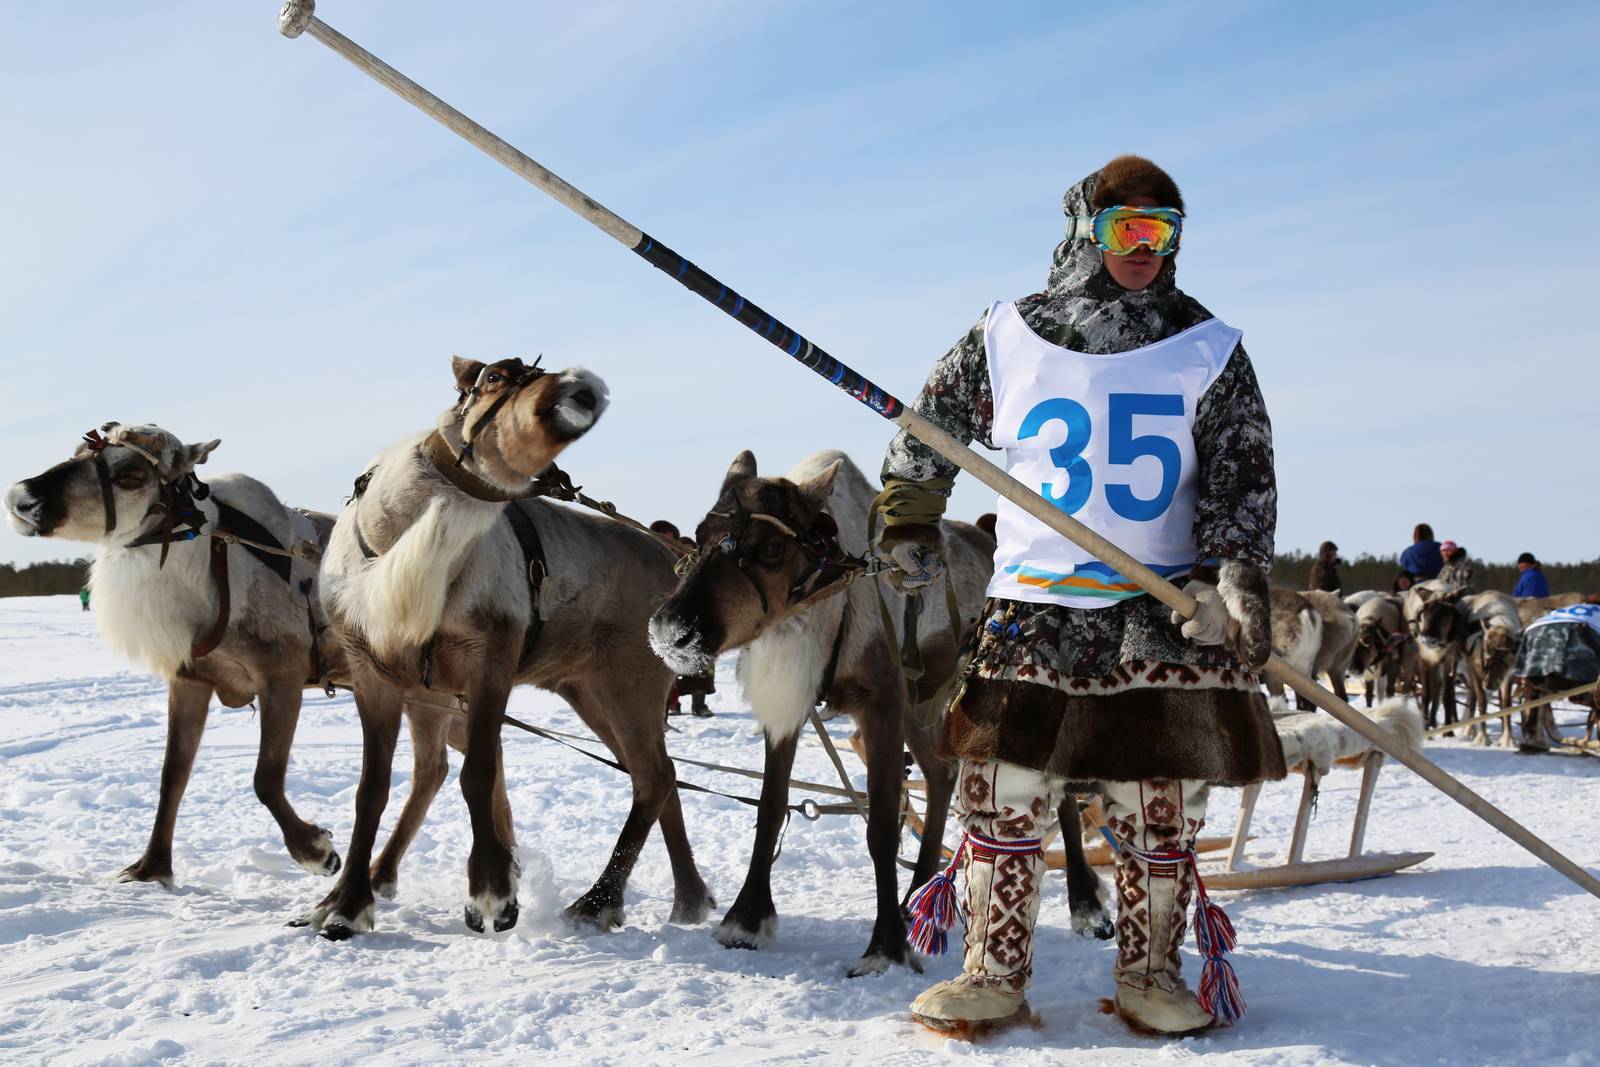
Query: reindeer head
x,y
765,546
1499,651
119,477
1441,622
1372,645
514,419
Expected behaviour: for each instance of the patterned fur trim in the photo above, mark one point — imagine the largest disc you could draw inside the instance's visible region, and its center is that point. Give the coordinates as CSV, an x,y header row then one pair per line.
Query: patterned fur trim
x,y
1213,733
1134,674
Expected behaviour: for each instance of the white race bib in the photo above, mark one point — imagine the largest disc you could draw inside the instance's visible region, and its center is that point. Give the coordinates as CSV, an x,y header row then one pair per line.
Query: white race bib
x,y
1107,439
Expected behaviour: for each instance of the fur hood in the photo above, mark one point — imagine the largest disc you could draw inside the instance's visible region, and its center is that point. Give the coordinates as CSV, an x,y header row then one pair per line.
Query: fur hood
x,y
1105,317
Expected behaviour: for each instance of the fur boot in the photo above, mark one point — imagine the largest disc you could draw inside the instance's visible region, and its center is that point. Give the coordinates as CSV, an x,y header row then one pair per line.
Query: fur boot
x,y
1153,902
1005,810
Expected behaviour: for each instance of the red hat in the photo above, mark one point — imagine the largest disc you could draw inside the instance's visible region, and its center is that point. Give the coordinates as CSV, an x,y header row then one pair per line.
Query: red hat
x,y
1447,548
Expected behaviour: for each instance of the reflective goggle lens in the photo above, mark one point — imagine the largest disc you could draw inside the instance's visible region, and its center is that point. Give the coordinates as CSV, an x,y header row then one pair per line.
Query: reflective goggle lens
x,y
1119,230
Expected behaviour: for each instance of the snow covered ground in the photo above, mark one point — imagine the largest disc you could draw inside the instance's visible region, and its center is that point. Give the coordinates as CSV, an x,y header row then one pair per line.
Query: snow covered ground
x,y
1480,955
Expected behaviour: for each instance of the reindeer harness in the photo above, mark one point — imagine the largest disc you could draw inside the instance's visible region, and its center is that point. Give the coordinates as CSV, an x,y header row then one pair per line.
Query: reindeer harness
x,y
181,519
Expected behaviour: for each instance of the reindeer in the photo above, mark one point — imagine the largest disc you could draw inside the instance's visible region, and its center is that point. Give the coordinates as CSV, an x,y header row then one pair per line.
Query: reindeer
x,y
429,581
210,587
1384,654
1315,632
1440,631
1532,608
767,550
1493,633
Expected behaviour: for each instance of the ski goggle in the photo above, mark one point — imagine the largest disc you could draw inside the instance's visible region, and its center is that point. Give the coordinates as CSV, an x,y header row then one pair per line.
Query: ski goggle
x,y
1121,229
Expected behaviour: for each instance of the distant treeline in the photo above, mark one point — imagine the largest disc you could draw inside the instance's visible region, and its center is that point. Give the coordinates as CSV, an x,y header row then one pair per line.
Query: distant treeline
x,y
44,579
1293,570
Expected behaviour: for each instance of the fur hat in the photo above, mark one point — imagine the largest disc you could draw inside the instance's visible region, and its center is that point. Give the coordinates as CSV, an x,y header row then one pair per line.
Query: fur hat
x,y
1128,176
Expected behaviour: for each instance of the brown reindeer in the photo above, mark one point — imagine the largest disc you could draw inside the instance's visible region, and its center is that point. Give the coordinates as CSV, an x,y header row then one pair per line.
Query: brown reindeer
x,y
1315,632
766,549
1532,608
1384,655
1439,627
1490,650
208,614
427,580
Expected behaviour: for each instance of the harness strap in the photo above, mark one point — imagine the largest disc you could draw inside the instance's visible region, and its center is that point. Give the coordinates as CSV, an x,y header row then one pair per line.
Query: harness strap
x,y
219,578
108,498
452,466
534,564
234,526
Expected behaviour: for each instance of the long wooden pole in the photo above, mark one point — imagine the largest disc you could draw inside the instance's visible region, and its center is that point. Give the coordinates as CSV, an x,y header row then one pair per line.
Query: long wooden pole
x,y
298,16
1529,706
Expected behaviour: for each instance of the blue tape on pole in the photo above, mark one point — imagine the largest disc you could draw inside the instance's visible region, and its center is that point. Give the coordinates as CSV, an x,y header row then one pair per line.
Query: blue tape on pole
x,y
758,321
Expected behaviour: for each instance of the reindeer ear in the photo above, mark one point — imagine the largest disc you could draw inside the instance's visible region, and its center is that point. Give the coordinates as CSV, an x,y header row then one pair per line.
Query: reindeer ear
x,y
466,372
191,456
816,489
742,469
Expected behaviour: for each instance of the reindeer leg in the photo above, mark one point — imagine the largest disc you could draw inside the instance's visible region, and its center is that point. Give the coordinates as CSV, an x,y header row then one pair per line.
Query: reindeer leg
x,y
309,845
939,779
430,766
653,783
1085,892
752,920
350,907
1450,715
882,728
188,701
491,866
691,900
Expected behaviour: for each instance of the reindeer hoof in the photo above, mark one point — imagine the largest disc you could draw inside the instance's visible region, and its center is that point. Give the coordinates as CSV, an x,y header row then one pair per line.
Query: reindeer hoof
x,y
603,917
505,917
1093,922
146,872
323,859
877,962
337,927
692,911
734,933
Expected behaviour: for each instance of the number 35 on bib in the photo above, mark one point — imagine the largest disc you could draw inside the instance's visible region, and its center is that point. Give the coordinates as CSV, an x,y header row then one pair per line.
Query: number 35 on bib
x,y
1107,439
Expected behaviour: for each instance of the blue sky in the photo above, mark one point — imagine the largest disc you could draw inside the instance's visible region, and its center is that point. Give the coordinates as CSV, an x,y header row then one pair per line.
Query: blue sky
x,y
243,237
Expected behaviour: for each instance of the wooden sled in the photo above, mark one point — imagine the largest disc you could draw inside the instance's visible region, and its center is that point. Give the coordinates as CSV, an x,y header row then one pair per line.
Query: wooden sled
x,y
1233,874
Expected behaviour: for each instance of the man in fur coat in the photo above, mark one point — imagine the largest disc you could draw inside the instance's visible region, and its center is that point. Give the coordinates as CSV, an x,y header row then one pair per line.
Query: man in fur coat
x,y
1128,405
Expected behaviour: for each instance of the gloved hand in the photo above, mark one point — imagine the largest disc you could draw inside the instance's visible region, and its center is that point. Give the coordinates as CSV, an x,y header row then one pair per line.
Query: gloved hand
x,y
1210,625
914,553
1234,613
909,540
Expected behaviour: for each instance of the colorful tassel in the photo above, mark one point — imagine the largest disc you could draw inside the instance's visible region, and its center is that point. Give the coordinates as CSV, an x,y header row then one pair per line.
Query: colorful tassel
x,y
933,909
1214,937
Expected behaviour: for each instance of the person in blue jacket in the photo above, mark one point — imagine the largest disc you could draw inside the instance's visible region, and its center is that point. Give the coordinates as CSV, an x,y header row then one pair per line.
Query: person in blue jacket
x,y
1423,559
1532,582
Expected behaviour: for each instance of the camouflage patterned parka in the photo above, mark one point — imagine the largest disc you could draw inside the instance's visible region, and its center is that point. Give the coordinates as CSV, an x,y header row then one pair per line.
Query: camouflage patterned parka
x,y
1113,693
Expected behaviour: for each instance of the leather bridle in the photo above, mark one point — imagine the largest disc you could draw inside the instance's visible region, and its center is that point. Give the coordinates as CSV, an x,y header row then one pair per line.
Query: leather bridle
x,y
175,500
829,568
520,377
